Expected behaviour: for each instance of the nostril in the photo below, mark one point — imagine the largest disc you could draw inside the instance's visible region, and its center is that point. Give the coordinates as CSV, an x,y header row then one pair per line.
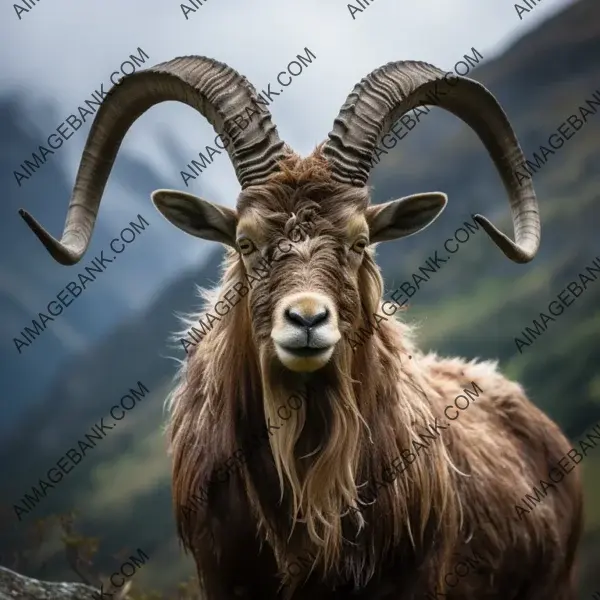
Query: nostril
x,y
306,320
319,317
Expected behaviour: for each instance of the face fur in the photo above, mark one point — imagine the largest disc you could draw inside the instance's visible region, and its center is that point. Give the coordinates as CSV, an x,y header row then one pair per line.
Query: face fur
x,y
310,298
303,241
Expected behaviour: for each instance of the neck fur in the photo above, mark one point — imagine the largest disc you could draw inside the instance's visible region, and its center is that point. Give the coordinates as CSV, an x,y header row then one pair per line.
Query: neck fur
x,y
357,415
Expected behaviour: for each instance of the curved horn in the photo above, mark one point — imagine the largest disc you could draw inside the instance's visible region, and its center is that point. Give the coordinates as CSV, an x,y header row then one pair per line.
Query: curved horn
x,y
389,92
215,90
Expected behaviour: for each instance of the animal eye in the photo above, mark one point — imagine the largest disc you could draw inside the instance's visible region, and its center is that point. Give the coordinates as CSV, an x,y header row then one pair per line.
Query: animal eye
x,y
246,246
359,245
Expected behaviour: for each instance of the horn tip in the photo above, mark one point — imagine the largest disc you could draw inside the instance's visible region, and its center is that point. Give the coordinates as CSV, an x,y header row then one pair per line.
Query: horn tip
x,y
31,222
62,255
520,253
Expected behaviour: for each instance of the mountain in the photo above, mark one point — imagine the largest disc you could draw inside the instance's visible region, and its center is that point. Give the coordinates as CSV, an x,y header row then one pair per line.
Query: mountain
x,y
29,280
475,305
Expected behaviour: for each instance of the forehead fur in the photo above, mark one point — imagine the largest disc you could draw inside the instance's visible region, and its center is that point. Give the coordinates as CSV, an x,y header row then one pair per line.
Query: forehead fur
x,y
303,187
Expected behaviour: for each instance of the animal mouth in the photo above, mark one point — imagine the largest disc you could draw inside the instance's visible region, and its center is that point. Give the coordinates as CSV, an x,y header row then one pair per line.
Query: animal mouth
x,y
305,351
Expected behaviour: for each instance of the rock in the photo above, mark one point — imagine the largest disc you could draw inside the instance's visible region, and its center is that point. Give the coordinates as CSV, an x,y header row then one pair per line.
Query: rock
x,y
18,587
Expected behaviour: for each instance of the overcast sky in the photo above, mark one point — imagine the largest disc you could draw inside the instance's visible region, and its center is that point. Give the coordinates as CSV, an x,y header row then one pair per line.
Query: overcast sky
x,y
64,50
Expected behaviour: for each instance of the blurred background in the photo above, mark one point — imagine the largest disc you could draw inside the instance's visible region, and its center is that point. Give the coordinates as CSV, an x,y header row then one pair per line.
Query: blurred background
x,y
541,65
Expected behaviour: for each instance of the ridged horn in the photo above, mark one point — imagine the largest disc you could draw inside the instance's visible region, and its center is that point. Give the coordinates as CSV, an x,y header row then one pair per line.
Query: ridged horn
x,y
215,90
389,92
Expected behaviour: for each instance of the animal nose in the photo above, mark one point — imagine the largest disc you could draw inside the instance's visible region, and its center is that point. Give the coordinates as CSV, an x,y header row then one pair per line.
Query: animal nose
x,y
307,316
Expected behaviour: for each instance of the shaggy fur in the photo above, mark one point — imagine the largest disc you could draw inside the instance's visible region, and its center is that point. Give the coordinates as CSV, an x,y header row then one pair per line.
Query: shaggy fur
x,y
292,496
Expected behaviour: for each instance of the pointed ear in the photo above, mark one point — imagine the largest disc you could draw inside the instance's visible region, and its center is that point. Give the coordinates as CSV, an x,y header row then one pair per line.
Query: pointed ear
x,y
405,216
196,216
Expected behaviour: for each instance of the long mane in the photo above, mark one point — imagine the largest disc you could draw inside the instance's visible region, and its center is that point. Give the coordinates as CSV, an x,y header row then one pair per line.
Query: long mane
x,y
306,491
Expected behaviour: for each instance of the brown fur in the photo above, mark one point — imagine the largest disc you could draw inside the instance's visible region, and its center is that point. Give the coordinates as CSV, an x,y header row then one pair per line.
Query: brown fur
x,y
291,497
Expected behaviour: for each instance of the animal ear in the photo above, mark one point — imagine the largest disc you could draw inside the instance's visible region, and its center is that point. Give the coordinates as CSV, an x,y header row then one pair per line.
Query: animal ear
x,y
196,216
405,216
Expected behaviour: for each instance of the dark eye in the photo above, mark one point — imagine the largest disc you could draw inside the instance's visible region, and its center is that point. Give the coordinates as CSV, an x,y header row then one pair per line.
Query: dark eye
x,y
246,246
359,245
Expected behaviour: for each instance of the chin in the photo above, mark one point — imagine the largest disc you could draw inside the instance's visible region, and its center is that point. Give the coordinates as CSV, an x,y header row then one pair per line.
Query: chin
x,y
295,361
